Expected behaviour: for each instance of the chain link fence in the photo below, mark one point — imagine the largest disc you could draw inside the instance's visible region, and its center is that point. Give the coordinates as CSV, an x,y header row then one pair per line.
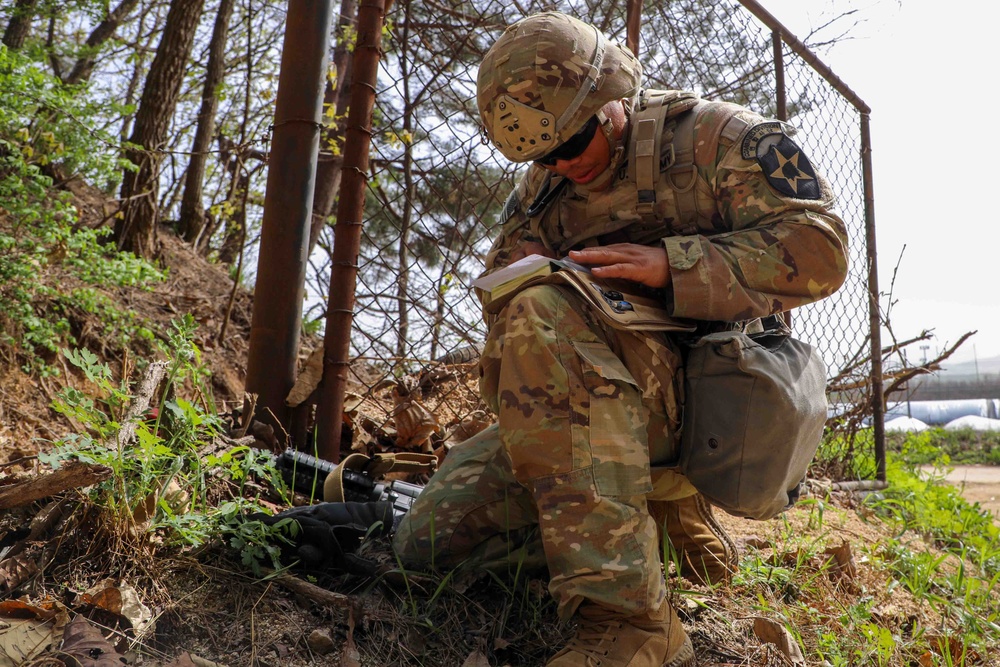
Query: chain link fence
x,y
436,191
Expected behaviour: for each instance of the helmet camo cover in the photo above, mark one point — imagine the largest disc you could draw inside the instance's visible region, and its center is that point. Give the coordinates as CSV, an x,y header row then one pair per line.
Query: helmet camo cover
x,y
544,78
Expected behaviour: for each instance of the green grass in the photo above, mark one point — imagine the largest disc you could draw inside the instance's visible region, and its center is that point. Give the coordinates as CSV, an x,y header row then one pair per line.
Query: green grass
x,y
964,446
927,592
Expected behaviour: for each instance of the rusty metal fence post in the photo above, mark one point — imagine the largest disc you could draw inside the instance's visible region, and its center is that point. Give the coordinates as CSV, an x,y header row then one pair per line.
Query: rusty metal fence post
x,y
874,317
347,238
281,266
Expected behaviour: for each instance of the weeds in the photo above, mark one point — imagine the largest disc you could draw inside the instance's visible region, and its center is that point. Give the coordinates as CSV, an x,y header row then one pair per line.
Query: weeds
x,y
960,582
173,481
964,446
40,230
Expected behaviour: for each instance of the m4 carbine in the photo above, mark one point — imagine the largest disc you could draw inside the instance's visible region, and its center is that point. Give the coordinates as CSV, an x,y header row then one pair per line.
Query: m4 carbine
x,y
306,474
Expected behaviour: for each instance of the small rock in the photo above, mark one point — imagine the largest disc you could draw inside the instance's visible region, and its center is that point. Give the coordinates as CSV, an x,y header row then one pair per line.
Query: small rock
x,y
320,641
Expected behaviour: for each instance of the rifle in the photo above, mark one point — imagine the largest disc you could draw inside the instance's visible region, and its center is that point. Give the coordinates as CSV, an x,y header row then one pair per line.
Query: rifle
x,y
306,474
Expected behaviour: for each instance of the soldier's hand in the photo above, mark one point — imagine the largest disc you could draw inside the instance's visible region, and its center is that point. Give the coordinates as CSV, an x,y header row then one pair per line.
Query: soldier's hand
x,y
329,534
639,263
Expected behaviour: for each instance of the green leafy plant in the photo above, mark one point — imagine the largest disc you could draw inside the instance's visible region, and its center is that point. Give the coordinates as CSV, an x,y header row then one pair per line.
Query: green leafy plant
x,y
51,265
961,583
161,483
963,446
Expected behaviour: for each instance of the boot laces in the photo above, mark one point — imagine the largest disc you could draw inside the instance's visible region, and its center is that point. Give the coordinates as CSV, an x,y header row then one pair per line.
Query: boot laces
x,y
594,638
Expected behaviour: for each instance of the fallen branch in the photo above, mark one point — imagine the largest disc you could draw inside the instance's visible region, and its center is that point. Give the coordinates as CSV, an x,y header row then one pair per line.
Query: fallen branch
x,y
71,476
140,403
314,593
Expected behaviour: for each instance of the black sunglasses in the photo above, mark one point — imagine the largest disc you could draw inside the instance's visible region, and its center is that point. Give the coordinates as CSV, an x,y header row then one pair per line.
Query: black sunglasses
x,y
572,147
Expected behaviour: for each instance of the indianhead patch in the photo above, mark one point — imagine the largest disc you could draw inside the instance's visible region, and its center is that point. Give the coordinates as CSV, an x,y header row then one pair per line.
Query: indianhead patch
x,y
785,166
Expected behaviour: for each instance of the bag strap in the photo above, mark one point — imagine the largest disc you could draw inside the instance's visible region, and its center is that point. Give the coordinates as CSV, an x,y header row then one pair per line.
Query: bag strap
x,y
644,148
682,173
662,141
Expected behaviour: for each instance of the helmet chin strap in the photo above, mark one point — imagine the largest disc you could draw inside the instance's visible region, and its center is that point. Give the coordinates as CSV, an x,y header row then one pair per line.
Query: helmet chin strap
x,y
604,179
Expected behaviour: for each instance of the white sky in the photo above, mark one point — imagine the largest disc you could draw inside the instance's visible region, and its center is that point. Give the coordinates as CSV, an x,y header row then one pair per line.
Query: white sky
x,y
928,70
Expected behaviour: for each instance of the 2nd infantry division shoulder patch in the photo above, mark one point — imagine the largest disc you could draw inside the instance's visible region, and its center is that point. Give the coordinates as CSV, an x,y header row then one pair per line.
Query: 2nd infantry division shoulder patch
x,y
785,166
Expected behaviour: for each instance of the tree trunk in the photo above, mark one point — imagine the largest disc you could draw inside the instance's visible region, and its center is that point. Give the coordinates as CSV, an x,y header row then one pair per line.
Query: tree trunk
x,y
104,31
20,24
192,218
135,230
329,167
138,69
236,221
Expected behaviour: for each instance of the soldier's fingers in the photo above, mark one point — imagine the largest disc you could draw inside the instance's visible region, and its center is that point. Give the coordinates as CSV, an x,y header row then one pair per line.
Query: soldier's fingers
x,y
602,256
618,270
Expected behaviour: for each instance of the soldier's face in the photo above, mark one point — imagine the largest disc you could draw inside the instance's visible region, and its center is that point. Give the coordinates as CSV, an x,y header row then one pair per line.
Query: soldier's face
x,y
589,164
595,160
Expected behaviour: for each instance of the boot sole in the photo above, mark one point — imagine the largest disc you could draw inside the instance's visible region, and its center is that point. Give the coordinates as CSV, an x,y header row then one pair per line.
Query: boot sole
x,y
684,656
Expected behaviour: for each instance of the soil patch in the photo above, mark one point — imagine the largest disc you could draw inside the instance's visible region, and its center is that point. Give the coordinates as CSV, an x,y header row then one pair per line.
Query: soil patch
x,y
979,484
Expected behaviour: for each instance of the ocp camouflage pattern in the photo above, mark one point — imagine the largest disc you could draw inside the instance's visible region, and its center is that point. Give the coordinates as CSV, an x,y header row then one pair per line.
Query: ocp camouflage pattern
x,y
741,250
543,63
589,416
561,479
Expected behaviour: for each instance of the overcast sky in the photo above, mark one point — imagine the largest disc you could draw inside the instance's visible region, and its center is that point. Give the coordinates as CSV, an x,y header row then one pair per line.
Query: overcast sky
x,y
927,69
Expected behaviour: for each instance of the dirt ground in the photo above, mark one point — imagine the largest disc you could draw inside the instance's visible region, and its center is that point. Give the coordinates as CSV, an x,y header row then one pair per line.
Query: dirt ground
x,y
979,484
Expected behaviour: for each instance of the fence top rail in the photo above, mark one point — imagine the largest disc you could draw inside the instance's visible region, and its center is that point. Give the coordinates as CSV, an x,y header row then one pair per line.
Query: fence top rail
x,y
806,54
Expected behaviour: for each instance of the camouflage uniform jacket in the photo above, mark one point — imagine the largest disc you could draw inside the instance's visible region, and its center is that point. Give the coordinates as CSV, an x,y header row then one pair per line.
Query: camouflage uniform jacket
x,y
753,234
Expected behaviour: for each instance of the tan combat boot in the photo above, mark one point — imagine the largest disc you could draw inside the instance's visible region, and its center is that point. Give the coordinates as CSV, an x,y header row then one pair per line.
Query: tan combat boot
x,y
705,552
608,639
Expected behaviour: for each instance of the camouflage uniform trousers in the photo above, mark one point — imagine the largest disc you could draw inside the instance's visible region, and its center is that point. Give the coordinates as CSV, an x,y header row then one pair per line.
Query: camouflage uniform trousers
x,y
561,480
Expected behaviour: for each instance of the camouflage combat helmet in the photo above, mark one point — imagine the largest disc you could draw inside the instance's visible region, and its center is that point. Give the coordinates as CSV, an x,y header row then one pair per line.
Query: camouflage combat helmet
x,y
544,78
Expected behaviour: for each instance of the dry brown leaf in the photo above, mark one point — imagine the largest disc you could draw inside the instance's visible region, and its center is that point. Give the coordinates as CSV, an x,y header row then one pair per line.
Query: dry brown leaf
x,y
349,655
106,596
307,380
144,511
775,633
86,643
138,614
176,498
959,653
352,401
16,570
47,518
362,440
754,542
414,422
27,631
843,569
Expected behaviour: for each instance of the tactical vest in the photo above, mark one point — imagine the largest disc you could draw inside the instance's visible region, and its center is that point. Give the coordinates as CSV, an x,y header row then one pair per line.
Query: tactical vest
x,y
654,194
